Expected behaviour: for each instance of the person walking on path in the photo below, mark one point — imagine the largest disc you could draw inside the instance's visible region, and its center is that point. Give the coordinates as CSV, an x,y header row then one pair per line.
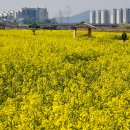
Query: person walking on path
x,y
124,36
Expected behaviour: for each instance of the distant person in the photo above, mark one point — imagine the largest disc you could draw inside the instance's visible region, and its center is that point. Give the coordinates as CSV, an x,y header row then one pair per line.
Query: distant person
x,y
75,29
124,36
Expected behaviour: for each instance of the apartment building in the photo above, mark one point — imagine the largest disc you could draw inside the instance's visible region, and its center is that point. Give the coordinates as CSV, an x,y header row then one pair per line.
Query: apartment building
x,y
114,16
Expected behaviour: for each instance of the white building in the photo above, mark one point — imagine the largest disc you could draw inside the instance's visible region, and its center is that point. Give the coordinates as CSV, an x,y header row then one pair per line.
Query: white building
x,y
41,15
92,17
11,15
8,15
126,16
119,16
19,14
113,16
105,17
98,17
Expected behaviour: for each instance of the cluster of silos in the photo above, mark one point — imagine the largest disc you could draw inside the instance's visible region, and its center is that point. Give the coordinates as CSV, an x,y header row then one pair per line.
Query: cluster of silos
x,y
114,16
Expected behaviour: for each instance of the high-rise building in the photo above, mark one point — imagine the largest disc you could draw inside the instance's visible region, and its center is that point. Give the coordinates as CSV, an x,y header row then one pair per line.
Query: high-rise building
x,y
98,17
41,15
105,17
119,16
8,16
92,17
126,16
113,16
29,15
25,16
18,14
38,15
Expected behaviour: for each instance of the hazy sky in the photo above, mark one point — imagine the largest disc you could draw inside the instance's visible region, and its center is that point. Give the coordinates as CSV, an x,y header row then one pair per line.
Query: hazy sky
x,y
73,6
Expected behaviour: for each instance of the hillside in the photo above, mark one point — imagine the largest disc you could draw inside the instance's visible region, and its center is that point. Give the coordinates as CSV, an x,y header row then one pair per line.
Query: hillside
x,y
84,16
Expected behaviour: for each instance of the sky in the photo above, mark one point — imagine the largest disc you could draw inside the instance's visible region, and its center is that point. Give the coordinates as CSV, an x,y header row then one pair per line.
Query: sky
x,y
70,7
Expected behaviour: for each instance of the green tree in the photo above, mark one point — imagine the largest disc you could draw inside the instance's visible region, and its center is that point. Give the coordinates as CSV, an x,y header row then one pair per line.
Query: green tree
x,y
34,27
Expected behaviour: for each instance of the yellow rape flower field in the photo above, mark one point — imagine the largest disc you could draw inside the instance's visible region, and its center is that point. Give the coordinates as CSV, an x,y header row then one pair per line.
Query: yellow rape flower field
x,y
52,81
